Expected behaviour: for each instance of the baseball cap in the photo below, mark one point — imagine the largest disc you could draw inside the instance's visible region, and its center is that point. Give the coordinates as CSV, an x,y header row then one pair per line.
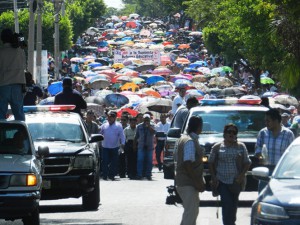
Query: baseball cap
x,y
146,116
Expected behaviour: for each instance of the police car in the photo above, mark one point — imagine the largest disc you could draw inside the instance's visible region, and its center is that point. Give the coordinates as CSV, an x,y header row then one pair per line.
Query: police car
x,y
20,173
73,165
248,115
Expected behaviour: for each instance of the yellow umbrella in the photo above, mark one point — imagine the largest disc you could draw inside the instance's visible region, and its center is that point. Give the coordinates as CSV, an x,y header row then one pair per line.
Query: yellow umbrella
x,y
118,66
129,43
129,86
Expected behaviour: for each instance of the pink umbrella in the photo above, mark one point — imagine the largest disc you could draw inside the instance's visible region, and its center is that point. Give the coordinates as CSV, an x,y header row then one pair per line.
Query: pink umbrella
x,y
110,73
165,60
162,71
177,77
204,70
189,76
167,93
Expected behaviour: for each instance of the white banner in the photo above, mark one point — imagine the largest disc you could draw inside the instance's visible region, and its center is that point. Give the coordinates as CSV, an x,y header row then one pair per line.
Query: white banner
x,y
146,55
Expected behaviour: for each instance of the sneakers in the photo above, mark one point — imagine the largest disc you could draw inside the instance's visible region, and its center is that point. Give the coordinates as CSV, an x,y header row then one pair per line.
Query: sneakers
x,y
149,178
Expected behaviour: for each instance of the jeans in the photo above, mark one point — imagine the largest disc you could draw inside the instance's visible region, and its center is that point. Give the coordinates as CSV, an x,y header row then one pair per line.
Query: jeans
x,y
229,203
109,162
190,203
144,162
13,95
158,150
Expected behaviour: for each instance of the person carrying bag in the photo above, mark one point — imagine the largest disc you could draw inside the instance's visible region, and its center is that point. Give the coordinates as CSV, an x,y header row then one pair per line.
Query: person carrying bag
x,y
228,164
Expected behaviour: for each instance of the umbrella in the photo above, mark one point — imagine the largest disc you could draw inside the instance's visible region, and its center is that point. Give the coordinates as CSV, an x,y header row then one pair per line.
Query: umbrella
x,y
129,86
227,69
126,93
91,79
200,86
99,83
182,82
218,70
182,61
137,80
204,70
145,33
286,100
178,77
220,81
94,64
76,59
194,93
116,100
103,93
195,33
198,64
161,105
165,93
231,92
154,79
200,78
266,80
47,101
118,65
95,99
145,67
55,87
123,78
183,46
164,87
152,93
128,110
165,60
269,94
162,71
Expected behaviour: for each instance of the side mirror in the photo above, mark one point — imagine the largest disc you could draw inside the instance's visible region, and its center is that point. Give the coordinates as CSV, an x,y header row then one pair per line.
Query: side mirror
x,y
261,173
174,132
43,151
95,138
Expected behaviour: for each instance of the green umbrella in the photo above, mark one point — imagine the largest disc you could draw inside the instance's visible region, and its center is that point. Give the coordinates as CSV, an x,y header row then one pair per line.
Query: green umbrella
x,y
266,80
226,69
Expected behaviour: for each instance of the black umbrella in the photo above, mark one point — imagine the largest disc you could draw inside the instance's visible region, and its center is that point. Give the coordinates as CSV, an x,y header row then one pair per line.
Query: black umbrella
x,y
102,61
144,68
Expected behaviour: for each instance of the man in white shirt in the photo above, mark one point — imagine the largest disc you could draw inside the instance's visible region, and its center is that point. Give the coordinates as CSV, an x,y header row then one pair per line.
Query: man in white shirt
x,y
179,99
162,129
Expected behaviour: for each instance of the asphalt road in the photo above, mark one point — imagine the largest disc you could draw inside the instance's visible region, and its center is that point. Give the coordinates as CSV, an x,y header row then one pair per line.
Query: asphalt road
x,y
134,203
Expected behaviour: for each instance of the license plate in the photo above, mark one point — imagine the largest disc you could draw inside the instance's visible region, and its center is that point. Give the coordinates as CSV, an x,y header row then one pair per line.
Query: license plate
x,y
46,184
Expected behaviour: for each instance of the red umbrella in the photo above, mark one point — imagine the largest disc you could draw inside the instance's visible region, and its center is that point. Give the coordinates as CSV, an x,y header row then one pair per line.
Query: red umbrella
x,y
131,24
129,110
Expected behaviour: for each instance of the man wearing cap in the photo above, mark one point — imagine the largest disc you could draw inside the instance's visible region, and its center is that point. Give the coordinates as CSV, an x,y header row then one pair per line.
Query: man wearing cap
x,y
68,96
144,137
114,139
179,99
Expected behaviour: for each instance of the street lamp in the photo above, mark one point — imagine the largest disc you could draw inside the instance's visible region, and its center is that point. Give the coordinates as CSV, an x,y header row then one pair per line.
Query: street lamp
x,y
57,8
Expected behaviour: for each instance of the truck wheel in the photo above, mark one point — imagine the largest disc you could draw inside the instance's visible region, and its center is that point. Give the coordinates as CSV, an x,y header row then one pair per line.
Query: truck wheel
x,y
91,200
33,219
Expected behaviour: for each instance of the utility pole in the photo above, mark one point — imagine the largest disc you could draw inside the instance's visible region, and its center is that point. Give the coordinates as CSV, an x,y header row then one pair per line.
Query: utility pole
x,y
17,29
57,8
39,41
30,63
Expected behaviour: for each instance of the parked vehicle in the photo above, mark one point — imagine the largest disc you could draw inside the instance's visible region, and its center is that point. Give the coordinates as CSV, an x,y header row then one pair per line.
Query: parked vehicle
x,y
279,201
73,165
20,173
248,118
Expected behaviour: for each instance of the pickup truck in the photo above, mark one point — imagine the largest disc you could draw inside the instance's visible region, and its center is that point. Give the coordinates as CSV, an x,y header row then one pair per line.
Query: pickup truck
x,y
20,173
248,118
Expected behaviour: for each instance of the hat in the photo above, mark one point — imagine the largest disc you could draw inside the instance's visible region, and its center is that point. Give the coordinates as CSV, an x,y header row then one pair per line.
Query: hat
x,y
112,113
285,115
67,81
146,116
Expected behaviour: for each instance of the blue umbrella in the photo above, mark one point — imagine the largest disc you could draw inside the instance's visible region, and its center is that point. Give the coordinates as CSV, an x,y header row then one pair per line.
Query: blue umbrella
x,y
190,70
197,64
55,87
116,100
94,64
154,79
181,82
127,39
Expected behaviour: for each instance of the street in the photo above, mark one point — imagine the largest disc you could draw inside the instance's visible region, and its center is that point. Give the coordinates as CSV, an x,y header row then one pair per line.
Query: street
x,y
134,203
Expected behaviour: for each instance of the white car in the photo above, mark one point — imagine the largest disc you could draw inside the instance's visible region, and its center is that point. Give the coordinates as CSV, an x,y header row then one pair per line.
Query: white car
x,y
20,173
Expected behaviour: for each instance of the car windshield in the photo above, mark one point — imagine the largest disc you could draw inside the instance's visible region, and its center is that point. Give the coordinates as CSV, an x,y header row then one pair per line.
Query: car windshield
x,y
289,167
246,121
70,132
14,140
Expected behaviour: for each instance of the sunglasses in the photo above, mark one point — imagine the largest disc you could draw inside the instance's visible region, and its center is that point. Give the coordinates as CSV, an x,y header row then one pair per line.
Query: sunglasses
x,y
234,132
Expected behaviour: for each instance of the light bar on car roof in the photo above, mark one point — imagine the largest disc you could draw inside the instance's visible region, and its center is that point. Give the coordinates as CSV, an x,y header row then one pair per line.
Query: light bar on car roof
x,y
229,101
48,108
